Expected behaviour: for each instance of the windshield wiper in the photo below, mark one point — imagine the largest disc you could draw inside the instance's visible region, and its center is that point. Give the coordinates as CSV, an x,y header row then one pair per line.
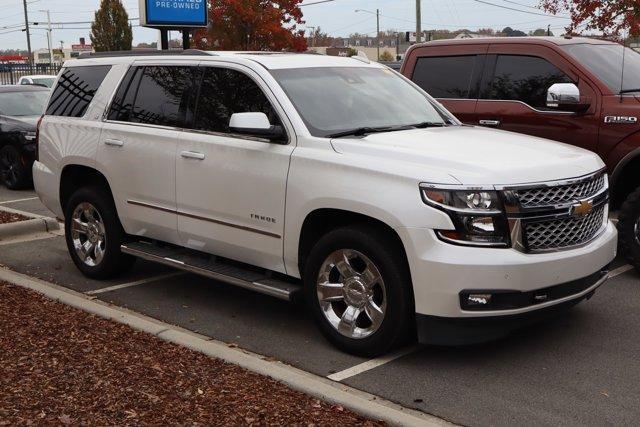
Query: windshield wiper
x,y
424,125
628,91
360,131
367,130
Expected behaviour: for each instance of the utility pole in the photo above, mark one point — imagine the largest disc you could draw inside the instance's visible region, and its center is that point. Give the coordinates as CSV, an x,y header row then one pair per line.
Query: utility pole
x,y
378,32
549,30
313,35
26,23
49,36
418,22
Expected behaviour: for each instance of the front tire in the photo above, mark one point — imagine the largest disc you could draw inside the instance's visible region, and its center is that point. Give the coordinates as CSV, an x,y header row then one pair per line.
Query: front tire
x,y
358,286
629,228
94,234
13,172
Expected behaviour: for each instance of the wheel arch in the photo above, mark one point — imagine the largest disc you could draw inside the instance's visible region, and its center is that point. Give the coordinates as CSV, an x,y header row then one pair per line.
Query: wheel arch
x,y
75,176
625,178
322,220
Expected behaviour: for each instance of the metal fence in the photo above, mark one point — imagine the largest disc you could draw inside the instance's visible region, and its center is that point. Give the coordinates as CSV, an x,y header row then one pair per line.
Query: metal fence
x,y
10,73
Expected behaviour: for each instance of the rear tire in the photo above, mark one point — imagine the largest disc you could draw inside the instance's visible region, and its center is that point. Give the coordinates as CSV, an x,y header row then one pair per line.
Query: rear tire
x,y
368,310
629,228
14,174
94,234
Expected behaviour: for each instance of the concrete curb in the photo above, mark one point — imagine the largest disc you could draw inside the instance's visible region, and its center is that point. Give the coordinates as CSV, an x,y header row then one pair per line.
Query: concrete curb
x,y
38,224
322,388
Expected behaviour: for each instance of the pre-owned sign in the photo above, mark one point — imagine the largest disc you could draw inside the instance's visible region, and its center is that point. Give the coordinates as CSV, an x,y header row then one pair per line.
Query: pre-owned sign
x,y
173,13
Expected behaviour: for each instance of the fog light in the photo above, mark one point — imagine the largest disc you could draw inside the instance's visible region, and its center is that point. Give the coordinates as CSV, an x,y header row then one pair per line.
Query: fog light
x,y
478,299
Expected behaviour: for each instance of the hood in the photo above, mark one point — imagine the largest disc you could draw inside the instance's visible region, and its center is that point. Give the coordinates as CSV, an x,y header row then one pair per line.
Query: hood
x,y
18,123
475,155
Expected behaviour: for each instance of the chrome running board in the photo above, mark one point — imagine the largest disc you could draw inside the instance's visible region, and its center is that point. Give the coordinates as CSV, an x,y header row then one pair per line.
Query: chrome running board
x,y
233,273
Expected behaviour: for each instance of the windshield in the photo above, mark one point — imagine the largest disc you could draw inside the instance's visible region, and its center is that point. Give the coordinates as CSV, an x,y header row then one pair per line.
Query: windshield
x,y
23,103
45,81
605,61
339,99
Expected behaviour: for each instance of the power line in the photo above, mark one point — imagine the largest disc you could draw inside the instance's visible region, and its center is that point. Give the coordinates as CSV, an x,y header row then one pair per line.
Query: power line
x,y
520,10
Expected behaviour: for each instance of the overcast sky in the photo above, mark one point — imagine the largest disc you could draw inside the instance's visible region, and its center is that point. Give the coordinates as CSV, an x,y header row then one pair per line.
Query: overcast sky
x,y
337,18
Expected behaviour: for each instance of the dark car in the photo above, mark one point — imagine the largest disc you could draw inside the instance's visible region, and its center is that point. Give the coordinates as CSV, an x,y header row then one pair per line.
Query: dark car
x,y
571,90
20,110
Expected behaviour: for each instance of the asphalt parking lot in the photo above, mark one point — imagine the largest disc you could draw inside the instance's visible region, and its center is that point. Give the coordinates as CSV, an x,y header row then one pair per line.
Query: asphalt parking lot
x,y
579,369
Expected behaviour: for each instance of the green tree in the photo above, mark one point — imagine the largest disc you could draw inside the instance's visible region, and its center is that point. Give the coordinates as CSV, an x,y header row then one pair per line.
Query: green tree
x,y
111,30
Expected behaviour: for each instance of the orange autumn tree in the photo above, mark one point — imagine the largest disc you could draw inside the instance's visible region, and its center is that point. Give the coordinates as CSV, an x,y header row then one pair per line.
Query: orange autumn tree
x,y
612,17
253,25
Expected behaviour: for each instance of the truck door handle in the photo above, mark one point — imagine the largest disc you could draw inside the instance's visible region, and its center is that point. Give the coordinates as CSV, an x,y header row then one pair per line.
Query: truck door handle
x,y
114,142
192,155
490,122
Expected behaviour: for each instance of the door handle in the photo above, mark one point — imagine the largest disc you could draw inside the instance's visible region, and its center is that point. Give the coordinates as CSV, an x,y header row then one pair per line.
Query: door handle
x,y
192,155
490,122
114,142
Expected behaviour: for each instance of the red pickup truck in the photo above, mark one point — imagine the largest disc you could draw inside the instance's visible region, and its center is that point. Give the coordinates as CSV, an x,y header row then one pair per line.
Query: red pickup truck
x,y
580,91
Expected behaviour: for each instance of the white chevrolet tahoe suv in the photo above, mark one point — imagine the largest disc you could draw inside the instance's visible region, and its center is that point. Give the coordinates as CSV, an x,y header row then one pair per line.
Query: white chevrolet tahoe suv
x,y
333,178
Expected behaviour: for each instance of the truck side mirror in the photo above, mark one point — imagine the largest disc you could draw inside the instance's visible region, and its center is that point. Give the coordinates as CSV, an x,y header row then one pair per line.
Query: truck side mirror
x,y
566,97
256,124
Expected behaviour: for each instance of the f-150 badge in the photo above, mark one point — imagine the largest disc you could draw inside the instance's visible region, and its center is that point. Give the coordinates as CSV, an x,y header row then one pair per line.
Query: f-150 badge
x,y
621,120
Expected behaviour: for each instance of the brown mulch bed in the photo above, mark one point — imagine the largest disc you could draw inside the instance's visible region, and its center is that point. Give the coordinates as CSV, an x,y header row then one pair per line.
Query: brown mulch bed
x,y
62,366
7,217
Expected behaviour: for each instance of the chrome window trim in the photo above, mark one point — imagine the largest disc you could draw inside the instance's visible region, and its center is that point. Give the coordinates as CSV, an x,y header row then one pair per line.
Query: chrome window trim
x,y
562,113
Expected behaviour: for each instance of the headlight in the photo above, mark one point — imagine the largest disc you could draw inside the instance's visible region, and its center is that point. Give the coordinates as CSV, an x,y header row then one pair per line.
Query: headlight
x,y
28,136
478,216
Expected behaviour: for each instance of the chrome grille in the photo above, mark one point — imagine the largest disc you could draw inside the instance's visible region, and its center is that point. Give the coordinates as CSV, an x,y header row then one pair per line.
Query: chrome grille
x,y
549,196
565,232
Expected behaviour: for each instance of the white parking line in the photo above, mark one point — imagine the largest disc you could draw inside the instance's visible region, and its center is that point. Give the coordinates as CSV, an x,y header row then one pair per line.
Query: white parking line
x,y
620,270
18,200
371,364
137,283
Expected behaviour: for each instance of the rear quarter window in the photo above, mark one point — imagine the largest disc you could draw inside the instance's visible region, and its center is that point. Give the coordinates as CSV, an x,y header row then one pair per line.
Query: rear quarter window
x,y
75,90
446,76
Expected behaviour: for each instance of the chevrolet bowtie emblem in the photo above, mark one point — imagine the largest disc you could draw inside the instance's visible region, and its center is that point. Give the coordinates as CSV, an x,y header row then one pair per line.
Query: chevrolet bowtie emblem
x,y
582,209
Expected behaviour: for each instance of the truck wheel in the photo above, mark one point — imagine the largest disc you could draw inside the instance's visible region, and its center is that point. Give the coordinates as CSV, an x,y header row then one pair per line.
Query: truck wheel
x,y
359,289
629,228
94,234
13,173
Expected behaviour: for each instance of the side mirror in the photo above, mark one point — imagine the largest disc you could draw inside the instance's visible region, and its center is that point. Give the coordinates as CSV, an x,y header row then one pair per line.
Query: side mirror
x,y
255,124
566,97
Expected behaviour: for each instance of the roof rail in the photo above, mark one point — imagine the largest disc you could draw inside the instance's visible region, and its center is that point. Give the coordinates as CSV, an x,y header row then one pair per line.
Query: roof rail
x,y
189,52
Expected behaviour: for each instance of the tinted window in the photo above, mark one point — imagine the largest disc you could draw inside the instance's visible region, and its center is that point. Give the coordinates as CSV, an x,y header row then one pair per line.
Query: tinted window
x,y
160,97
224,92
524,78
75,90
122,104
605,61
446,77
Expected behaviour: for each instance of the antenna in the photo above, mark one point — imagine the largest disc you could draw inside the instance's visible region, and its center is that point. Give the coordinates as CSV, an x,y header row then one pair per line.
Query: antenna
x,y
624,51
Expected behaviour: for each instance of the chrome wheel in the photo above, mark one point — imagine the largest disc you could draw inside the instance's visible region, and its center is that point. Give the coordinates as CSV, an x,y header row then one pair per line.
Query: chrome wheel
x,y
352,293
88,234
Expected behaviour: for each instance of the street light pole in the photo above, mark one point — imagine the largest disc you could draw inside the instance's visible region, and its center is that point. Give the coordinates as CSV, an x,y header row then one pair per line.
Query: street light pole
x,y
418,22
49,35
26,23
378,32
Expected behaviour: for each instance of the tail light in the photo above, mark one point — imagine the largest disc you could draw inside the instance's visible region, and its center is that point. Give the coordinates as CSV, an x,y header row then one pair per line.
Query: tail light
x,y
38,137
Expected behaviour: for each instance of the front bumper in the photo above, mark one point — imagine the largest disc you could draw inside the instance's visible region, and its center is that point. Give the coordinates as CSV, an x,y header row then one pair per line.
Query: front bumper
x,y
441,272
473,330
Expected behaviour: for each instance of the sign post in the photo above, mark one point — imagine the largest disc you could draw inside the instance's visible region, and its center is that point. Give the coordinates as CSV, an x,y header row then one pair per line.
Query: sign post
x,y
180,15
